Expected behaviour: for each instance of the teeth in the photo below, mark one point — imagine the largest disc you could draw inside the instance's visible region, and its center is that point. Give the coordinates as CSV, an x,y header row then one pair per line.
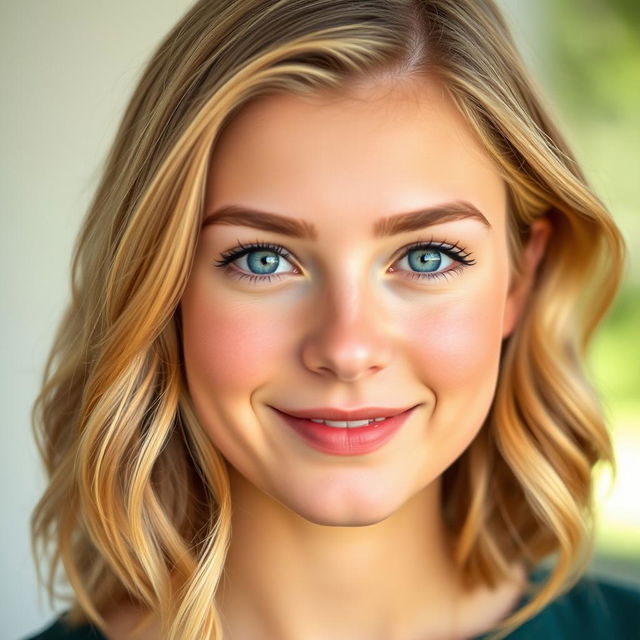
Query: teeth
x,y
347,424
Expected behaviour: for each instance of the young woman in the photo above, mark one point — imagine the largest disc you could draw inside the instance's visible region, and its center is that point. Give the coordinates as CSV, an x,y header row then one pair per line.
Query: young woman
x,y
322,372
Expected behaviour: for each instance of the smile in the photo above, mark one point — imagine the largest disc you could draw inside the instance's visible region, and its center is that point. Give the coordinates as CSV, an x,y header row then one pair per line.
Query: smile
x,y
346,438
350,424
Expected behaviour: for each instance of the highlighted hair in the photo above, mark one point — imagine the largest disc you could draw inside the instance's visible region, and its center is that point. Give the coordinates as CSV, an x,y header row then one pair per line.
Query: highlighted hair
x,y
137,507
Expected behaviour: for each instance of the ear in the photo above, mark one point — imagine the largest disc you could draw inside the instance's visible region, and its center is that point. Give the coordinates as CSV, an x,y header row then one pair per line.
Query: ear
x,y
520,288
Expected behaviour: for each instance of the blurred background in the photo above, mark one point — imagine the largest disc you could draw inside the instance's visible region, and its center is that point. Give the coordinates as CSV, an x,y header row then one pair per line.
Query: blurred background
x,y
586,57
67,68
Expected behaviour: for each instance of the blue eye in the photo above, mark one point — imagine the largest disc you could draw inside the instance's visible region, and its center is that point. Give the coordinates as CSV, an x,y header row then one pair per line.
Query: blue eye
x,y
434,260
259,257
426,260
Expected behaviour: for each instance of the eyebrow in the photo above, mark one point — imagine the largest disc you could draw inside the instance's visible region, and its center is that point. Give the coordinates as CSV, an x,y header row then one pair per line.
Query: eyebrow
x,y
384,227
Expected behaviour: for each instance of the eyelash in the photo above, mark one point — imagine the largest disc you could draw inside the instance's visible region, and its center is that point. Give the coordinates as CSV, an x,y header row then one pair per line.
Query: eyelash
x,y
453,251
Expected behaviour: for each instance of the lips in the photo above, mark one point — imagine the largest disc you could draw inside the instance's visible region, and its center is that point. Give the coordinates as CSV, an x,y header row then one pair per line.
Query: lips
x,y
346,441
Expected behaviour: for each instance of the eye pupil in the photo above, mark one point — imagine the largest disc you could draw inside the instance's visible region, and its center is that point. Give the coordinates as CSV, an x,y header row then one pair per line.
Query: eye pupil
x,y
260,259
428,258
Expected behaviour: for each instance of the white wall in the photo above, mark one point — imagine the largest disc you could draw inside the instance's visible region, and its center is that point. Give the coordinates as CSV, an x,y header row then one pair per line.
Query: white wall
x,y
67,68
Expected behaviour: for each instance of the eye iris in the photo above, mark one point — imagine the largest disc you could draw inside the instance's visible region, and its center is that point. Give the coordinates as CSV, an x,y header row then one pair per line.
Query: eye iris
x,y
428,258
261,259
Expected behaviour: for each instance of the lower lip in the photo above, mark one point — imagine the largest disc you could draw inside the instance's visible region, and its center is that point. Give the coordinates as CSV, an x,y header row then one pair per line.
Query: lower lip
x,y
346,442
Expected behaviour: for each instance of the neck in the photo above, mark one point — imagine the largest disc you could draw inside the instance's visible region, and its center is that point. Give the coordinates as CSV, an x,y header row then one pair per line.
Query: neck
x,y
286,577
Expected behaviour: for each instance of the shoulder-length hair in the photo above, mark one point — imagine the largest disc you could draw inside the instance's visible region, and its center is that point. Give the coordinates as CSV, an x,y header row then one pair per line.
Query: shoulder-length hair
x,y
137,505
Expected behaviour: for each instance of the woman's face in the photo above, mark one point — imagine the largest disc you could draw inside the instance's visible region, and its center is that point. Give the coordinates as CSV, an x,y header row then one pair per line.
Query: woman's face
x,y
352,317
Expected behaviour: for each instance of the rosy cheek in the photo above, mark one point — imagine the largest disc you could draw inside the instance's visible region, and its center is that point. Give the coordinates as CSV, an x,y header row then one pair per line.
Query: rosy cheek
x,y
228,345
457,340
456,354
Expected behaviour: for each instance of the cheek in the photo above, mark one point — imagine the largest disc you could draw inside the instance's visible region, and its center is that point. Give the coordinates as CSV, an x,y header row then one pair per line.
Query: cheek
x,y
227,346
457,349
459,339
229,352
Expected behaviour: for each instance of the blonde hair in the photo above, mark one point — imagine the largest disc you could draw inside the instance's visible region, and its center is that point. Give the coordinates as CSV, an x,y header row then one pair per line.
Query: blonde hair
x,y
138,505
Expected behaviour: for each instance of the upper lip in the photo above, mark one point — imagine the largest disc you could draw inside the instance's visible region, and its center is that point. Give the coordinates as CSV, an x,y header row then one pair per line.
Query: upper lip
x,y
329,413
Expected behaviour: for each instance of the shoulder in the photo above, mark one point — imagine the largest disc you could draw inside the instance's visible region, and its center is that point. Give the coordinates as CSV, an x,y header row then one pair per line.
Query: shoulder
x,y
59,630
594,608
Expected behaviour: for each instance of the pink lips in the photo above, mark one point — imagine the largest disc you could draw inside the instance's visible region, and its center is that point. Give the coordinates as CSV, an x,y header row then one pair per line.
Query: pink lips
x,y
349,441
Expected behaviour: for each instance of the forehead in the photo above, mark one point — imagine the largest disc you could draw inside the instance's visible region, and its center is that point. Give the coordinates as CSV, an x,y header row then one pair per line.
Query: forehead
x,y
380,149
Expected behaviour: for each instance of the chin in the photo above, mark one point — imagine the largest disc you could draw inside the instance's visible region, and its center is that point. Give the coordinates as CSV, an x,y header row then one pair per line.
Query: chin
x,y
348,509
358,518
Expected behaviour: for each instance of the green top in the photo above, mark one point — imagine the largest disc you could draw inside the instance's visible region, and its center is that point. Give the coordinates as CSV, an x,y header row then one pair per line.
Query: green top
x,y
594,609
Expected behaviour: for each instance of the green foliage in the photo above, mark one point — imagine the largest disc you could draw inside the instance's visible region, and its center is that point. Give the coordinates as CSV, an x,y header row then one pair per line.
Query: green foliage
x,y
615,354
594,77
595,81
593,74
598,54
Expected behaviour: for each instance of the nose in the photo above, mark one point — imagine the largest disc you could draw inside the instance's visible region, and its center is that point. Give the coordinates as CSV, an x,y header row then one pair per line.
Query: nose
x,y
350,337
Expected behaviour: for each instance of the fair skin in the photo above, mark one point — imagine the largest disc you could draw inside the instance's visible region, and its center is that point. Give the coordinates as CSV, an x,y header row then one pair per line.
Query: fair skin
x,y
334,546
